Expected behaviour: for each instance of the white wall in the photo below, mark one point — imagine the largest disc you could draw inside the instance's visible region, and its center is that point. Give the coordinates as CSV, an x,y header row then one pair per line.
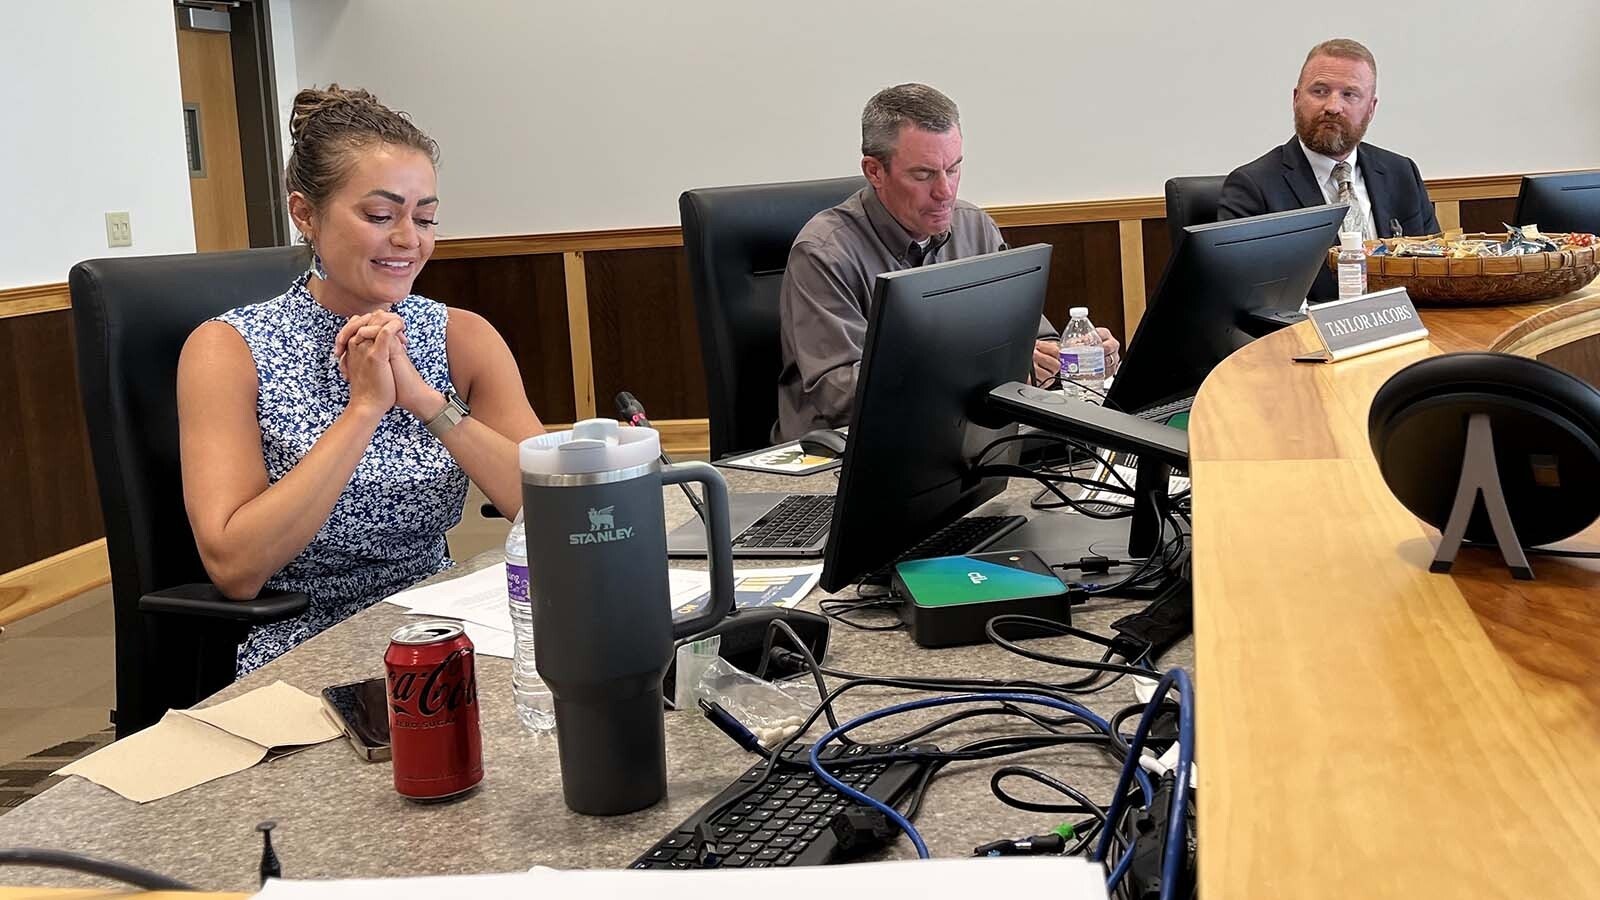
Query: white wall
x,y
93,123
285,82
556,115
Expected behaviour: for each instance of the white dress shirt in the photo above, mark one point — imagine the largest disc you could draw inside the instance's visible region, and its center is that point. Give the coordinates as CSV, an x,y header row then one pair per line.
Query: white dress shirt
x,y
1322,169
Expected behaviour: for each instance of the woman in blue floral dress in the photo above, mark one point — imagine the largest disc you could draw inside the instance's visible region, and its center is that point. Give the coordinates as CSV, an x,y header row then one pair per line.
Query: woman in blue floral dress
x,y
328,434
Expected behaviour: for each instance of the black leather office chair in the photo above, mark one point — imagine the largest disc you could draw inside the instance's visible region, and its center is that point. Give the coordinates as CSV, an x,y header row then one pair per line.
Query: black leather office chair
x,y
1192,200
738,240
176,636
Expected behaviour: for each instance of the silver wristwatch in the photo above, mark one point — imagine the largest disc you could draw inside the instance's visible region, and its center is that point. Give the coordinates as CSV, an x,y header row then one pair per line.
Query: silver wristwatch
x,y
455,409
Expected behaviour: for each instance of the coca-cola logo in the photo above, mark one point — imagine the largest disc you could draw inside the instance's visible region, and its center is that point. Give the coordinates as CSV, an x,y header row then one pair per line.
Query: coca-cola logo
x,y
435,692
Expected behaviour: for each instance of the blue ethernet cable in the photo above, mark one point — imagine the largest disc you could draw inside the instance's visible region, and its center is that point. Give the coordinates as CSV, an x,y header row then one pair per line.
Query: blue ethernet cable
x,y
1172,859
894,815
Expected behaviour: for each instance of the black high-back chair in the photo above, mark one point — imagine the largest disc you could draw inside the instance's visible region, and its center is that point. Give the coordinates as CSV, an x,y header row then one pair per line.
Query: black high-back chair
x,y
1192,200
176,636
737,240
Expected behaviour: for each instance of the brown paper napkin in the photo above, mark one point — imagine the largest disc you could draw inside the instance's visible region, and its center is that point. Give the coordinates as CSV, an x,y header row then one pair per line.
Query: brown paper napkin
x,y
193,746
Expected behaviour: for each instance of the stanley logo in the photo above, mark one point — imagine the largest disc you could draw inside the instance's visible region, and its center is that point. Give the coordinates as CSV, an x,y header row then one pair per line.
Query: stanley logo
x,y
602,528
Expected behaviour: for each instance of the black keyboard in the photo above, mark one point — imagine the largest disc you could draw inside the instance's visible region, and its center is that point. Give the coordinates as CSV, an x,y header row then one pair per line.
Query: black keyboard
x,y
798,520
1162,412
784,822
966,535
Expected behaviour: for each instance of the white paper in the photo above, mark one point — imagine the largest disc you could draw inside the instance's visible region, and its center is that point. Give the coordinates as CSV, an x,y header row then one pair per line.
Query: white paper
x,y
476,597
685,585
479,598
1060,878
488,641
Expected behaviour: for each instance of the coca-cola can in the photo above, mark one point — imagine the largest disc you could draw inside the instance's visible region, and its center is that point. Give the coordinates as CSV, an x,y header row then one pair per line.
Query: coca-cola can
x,y
433,711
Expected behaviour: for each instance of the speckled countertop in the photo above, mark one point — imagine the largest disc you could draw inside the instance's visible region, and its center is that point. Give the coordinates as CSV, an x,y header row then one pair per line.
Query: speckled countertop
x,y
340,817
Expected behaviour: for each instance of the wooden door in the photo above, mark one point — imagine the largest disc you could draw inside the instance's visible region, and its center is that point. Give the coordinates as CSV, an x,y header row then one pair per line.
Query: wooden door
x,y
216,175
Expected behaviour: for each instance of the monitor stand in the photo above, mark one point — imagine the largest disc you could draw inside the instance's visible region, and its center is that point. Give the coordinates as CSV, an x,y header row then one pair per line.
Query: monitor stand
x,y
1069,537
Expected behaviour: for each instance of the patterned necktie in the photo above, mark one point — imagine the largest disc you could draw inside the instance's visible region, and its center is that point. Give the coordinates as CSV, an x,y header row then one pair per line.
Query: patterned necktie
x,y
1353,220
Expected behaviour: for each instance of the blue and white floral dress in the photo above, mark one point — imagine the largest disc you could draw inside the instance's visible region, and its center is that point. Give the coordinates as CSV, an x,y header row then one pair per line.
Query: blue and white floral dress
x,y
386,531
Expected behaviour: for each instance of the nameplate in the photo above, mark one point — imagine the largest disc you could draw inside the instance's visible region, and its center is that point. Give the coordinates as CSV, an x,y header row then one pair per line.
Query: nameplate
x,y
1363,324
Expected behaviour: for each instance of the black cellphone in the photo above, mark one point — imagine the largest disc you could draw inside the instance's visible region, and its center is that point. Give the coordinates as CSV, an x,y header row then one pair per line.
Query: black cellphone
x,y
361,710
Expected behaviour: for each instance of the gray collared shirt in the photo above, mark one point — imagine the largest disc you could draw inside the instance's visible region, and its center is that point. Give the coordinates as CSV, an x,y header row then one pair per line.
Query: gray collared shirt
x,y
827,292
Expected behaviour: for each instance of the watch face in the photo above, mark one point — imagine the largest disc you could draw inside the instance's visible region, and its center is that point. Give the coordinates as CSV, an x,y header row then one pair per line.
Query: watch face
x,y
454,399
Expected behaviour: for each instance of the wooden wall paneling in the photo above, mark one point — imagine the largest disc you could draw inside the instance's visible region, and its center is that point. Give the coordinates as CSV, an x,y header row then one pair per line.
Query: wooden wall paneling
x,y
1490,214
30,299
643,333
578,333
1085,270
1448,213
524,297
48,500
1131,235
43,584
1157,249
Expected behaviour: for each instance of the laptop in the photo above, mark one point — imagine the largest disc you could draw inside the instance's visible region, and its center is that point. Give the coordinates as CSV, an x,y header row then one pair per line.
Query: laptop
x,y
764,526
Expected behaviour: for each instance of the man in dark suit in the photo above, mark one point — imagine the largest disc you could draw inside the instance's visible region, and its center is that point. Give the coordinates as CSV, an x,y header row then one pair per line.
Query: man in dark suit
x,y
1327,162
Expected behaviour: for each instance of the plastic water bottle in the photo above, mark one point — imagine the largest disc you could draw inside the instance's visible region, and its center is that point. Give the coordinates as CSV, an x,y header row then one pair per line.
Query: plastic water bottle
x,y
535,705
1083,360
1352,265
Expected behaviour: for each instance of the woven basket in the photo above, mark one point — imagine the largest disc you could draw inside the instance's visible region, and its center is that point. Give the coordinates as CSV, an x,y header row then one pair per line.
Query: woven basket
x,y
1480,279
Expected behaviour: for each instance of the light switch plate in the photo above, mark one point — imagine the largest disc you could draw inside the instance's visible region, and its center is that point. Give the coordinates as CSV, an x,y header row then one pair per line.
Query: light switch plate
x,y
119,233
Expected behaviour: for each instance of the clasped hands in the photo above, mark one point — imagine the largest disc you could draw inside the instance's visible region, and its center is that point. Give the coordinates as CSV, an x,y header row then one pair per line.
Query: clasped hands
x,y
373,356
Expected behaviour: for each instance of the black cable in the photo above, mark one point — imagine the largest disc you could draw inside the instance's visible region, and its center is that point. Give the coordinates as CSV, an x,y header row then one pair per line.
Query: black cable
x,y
1013,745
1050,483
1153,740
778,626
836,609
1055,629
1009,744
1082,803
1168,554
1043,437
89,865
1060,690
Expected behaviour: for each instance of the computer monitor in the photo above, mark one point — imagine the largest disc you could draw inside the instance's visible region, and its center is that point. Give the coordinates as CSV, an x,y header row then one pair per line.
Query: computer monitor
x,y
1221,276
1569,201
939,338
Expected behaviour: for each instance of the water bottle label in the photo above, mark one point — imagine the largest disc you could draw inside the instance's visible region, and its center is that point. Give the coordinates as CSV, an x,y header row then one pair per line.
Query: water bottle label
x,y
1087,361
517,583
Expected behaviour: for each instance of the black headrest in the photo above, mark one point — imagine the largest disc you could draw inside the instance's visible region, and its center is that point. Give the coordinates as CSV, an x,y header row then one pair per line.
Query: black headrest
x,y
1192,200
737,240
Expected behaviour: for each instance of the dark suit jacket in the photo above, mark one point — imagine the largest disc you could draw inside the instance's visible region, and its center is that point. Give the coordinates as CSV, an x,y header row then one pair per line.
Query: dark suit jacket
x,y
1281,180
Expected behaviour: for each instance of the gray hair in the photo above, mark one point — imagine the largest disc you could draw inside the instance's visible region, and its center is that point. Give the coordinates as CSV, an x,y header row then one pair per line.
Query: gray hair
x,y
904,104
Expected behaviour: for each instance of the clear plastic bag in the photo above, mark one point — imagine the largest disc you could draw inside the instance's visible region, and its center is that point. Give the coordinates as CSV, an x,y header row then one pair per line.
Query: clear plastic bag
x,y
771,711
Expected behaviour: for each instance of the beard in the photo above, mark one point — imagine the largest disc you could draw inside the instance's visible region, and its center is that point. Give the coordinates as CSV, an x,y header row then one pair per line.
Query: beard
x,y
1330,135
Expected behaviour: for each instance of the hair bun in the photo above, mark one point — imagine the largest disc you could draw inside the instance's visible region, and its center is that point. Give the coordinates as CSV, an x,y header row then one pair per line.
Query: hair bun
x,y
312,103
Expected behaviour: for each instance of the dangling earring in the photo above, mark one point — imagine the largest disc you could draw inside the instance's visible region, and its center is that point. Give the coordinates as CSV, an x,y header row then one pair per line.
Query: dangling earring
x,y
316,264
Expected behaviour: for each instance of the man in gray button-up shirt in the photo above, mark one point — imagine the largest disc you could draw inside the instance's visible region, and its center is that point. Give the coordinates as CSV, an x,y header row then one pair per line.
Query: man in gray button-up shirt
x,y
907,216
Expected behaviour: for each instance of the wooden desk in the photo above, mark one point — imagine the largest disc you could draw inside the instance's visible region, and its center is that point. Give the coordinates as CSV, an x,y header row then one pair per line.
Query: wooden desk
x,y
1368,729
